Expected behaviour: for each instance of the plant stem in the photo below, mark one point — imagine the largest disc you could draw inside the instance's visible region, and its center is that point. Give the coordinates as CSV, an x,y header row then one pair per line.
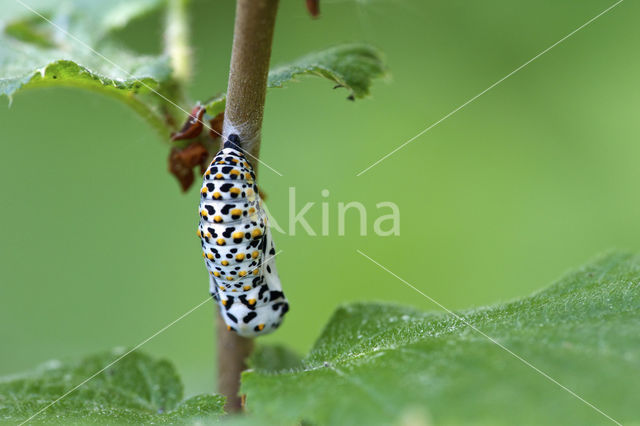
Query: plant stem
x,y
252,37
253,33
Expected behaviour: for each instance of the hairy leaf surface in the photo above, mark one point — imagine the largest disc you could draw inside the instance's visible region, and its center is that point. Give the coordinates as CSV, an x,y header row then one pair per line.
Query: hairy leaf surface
x,y
138,389
382,363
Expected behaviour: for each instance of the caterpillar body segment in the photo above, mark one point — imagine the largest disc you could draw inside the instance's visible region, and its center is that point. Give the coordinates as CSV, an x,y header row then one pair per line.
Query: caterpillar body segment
x,y
237,246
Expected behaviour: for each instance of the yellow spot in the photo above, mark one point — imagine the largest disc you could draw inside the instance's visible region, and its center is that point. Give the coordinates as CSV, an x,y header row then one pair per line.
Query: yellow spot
x,y
209,256
221,287
256,233
208,235
234,290
220,241
249,192
242,273
235,190
224,303
216,273
199,233
203,255
240,257
252,301
247,176
229,278
203,213
234,160
246,287
217,219
238,235
255,254
220,162
246,165
216,195
252,210
224,262
260,327
204,190
234,172
218,176
208,173
256,272
228,328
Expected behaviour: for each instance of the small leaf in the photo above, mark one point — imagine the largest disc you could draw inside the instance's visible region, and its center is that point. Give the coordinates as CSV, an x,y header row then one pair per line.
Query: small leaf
x,y
136,389
388,364
33,54
92,21
351,66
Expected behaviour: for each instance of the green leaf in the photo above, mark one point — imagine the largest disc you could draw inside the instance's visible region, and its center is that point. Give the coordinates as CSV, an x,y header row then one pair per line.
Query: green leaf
x,y
34,53
136,389
93,20
351,66
274,358
382,363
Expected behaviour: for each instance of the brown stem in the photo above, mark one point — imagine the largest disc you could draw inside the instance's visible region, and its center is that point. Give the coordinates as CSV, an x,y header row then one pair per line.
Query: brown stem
x,y
252,37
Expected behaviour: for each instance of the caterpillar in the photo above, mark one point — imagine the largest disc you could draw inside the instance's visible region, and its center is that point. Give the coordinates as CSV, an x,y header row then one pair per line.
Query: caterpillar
x,y
237,246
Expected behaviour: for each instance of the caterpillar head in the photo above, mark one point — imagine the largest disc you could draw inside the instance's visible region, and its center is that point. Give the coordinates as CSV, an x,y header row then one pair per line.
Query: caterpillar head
x,y
233,142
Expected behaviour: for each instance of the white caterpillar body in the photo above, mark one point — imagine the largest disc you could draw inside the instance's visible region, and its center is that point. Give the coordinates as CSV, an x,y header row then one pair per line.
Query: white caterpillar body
x,y
237,246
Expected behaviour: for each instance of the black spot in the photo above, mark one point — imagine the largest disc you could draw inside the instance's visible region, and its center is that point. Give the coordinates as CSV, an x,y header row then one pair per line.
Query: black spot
x,y
275,295
227,169
232,318
229,302
210,209
247,318
263,289
226,187
226,208
243,300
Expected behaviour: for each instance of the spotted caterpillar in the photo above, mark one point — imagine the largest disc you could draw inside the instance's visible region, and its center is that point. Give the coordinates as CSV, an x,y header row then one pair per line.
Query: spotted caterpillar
x,y
237,245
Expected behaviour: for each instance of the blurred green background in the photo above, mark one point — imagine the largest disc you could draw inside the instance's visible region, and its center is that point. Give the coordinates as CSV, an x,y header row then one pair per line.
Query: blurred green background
x,y
535,177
